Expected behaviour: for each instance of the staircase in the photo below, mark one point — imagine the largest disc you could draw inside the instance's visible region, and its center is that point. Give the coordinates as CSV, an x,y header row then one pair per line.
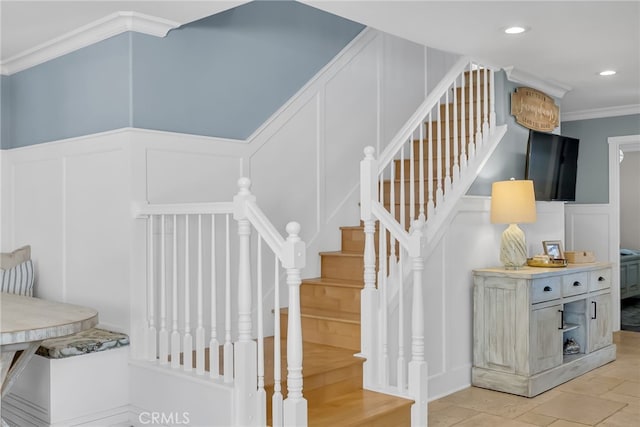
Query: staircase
x,y
331,304
333,374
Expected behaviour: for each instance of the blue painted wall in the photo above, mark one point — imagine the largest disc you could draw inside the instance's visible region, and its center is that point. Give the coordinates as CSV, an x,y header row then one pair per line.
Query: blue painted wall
x,y
228,73
220,76
509,158
593,157
5,118
83,92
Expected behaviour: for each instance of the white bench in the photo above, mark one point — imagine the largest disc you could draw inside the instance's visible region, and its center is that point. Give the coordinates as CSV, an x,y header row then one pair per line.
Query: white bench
x,y
82,379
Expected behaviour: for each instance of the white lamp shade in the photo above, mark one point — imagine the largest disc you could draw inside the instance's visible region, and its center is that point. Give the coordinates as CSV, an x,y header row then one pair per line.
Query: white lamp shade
x,y
513,202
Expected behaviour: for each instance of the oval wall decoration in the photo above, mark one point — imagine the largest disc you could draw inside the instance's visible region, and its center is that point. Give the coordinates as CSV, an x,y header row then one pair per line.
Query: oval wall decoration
x,y
534,109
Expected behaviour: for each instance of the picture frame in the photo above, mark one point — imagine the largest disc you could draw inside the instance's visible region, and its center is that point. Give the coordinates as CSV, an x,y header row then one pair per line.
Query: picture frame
x,y
553,249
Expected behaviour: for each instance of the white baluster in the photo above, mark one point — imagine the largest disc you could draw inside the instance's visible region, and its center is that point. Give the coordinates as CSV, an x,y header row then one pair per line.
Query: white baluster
x,y
447,146
163,338
439,172
472,141
456,141
200,325
492,102
244,281
383,368
478,120
402,380
412,186
175,335
485,105
463,128
214,345
403,176
276,399
421,201
187,339
228,346
430,201
261,403
295,405
152,342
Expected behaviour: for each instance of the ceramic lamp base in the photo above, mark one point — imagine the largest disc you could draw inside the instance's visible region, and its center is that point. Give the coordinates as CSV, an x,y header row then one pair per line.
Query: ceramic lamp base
x,y
513,248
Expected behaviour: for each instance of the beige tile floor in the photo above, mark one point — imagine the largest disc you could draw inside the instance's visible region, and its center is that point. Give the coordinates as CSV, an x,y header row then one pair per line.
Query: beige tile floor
x,y
608,396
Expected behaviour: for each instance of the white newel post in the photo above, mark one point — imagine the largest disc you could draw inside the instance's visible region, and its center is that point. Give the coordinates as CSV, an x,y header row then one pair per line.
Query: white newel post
x,y
369,295
245,349
417,365
293,259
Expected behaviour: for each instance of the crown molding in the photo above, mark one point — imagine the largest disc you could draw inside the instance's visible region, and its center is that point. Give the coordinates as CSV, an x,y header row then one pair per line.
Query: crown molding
x,y
598,113
96,31
554,89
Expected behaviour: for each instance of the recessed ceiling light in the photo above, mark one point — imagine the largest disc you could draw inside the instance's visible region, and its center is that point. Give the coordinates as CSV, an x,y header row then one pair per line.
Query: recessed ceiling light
x,y
515,30
607,73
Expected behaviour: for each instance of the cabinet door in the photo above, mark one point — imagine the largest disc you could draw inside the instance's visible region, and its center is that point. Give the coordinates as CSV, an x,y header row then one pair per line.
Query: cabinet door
x,y
546,338
600,328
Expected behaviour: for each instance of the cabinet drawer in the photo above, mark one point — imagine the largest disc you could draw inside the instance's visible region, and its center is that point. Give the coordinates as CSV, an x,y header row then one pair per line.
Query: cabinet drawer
x,y
600,279
575,284
545,289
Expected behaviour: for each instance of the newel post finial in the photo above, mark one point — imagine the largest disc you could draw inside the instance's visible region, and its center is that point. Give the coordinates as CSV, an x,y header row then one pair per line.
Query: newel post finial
x,y
368,174
244,184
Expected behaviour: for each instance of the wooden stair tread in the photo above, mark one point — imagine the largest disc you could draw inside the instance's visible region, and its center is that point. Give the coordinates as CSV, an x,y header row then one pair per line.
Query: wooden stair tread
x,y
340,283
339,316
341,253
318,360
359,407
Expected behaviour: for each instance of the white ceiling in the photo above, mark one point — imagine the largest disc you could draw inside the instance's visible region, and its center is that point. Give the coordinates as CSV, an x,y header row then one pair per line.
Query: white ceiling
x,y
569,42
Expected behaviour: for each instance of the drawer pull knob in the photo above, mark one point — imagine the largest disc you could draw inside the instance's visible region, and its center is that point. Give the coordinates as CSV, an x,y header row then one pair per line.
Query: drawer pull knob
x,y
601,279
576,283
547,289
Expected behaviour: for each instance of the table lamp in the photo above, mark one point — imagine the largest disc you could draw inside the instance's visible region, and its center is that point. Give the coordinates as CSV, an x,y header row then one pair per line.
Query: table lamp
x,y
513,202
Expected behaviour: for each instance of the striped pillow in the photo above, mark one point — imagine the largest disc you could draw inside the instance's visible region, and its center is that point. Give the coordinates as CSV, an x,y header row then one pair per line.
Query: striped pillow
x,y
18,280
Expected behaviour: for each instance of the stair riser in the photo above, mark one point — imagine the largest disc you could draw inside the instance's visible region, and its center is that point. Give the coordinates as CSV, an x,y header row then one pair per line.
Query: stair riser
x,y
354,240
327,332
475,79
406,174
407,190
342,267
466,92
468,112
330,298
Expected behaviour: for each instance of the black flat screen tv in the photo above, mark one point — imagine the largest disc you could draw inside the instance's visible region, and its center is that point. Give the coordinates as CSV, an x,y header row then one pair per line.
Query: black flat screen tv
x,y
552,165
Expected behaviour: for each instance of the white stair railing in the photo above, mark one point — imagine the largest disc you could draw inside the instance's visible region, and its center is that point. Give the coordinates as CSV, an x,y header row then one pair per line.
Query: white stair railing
x,y
192,278
410,190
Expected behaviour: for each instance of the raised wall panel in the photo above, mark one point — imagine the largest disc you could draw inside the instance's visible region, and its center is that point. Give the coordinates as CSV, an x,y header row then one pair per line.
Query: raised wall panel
x,y
285,173
175,176
403,71
97,222
351,100
37,212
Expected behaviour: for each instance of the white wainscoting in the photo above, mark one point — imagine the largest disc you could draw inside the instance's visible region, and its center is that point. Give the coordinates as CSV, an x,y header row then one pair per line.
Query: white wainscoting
x,y
72,199
470,242
589,227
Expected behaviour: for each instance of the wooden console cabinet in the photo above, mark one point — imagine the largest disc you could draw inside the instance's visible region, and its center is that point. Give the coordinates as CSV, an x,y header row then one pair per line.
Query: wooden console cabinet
x,y
522,318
